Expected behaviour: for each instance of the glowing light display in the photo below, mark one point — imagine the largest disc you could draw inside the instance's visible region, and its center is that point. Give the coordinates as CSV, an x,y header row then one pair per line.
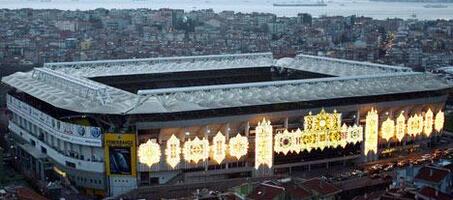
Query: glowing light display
x,y
149,153
388,129
322,140
323,121
428,126
335,140
287,142
400,129
196,150
415,125
344,129
263,144
321,131
371,131
173,151
354,134
308,140
238,146
344,135
439,121
296,135
219,147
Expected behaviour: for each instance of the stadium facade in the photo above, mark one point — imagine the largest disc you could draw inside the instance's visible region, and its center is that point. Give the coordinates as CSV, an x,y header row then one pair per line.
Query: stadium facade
x,y
112,126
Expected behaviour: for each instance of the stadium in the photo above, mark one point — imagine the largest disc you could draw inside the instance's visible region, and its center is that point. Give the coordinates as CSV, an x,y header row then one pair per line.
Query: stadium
x,y
111,126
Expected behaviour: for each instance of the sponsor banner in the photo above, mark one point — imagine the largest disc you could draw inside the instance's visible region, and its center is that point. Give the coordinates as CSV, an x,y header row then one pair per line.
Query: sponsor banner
x,y
120,154
84,135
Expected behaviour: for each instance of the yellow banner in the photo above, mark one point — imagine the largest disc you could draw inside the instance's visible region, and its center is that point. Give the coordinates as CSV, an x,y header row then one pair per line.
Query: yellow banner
x,y
120,154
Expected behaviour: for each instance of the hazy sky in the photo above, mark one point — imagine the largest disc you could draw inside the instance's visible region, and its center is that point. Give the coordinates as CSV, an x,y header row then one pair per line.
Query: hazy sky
x,y
379,10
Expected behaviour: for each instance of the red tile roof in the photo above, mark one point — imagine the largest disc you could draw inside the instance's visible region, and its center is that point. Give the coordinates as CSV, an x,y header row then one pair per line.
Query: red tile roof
x,y
321,186
432,174
271,190
370,196
297,191
430,193
24,193
264,191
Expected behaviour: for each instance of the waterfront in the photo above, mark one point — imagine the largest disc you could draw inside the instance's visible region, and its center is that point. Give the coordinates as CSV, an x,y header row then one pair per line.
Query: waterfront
x,y
377,10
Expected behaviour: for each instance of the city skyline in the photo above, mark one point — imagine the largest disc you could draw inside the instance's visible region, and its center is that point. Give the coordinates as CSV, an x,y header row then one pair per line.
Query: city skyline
x,y
375,9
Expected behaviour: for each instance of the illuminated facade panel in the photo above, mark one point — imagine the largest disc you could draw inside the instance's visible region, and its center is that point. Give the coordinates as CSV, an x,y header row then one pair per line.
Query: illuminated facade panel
x,y
323,121
238,146
335,139
321,130
415,125
428,126
149,153
219,147
400,128
322,140
371,132
287,142
196,150
263,144
344,135
308,141
173,151
354,134
296,135
388,129
439,121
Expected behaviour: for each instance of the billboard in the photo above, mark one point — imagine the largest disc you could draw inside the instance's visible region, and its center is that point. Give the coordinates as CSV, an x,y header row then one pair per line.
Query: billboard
x,y
78,134
120,154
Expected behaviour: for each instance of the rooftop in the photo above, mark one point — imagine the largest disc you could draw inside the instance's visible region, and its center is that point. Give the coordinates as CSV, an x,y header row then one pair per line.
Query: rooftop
x,y
321,187
432,174
177,84
432,194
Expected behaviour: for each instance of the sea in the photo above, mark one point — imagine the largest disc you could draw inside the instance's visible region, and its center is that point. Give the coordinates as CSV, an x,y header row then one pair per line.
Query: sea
x,y
374,9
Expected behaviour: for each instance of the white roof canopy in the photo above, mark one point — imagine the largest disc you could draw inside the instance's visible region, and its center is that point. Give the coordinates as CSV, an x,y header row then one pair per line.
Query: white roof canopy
x,y
66,85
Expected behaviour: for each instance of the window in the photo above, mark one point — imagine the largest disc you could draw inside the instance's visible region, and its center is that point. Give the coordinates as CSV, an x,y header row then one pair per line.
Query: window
x,y
32,142
43,150
29,126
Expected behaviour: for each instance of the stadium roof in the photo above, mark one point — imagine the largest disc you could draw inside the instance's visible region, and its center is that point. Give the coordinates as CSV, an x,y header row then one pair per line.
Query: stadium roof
x,y
68,85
